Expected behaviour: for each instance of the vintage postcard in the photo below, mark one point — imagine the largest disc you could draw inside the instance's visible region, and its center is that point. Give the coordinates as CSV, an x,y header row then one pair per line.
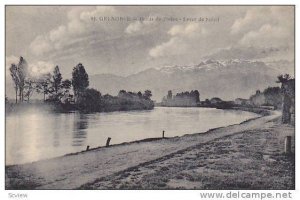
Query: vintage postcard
x,y
150,97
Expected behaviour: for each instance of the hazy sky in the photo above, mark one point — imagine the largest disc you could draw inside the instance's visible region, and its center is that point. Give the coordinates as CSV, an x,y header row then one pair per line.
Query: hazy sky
x,y
65,35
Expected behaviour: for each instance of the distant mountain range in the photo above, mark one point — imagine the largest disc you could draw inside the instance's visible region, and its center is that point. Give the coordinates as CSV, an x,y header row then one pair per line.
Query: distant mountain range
x,y
212,78
227,79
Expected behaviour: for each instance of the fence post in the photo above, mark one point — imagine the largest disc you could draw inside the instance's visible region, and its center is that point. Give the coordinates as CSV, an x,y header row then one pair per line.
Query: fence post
x,y
107,141
87,147
288,145
163,134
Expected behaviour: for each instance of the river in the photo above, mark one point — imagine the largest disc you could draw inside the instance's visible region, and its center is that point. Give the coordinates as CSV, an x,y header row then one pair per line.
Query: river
x,y
38,135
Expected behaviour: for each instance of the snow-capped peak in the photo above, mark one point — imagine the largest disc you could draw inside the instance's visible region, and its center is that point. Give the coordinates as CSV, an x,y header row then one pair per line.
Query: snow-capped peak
x,y
207,65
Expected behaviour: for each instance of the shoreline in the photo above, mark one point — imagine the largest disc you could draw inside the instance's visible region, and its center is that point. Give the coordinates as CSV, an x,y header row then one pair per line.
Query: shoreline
x,y
75,170
259,112
240,161
165,138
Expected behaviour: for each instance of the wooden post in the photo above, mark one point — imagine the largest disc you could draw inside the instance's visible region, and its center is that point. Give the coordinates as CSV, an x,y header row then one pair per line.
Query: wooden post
x,y
288,145
87,147
163,134
107,141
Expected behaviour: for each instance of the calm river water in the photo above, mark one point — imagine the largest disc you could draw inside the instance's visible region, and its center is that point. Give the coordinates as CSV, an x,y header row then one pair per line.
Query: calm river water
x,y
35,135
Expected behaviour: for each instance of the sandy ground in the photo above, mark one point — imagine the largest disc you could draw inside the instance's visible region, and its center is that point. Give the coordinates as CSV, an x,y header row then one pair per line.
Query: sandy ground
x,y
242,156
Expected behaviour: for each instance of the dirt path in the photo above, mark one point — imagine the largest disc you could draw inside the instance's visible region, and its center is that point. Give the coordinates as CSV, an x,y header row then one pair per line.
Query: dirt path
x,y
251,159
73,171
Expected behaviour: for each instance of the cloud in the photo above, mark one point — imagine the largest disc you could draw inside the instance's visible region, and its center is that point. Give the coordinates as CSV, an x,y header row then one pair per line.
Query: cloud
x,y
134,27
140,26
79,26
35,69
267,26
267,35
40,68
256,17
192,29
58,33
175,46
253,19
183,38
41,45
124,47
98,12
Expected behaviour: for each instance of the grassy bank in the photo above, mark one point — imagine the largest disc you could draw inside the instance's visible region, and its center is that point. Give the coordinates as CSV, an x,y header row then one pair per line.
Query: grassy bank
x,y
252,159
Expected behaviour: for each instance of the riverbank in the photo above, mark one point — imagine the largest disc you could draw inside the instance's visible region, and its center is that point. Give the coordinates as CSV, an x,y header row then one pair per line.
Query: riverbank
x,y
106,106
110,168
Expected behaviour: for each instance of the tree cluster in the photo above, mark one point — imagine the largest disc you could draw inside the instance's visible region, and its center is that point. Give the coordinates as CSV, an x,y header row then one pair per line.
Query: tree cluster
x,y
182,99
19,73
52,86
126,100
271,96
57,90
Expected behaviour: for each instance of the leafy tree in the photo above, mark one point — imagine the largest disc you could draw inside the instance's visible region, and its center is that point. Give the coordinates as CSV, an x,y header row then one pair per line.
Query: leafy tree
x,y
283,78
273,96
80,80
169,96
196,95
147,95
207,101
66,84
122,93
22,73
90,101
288,92
18,73
57,78
14,74
43,85
29,88
140,95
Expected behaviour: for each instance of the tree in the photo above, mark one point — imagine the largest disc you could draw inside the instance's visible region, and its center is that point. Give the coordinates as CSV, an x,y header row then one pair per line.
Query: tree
x,y
14,75
147,94
169,96
22,73
122,93
273,96
80,80
90,101
288,92
18,73
29,88
56,79
43,85
66,84
283,78
197,96
140,95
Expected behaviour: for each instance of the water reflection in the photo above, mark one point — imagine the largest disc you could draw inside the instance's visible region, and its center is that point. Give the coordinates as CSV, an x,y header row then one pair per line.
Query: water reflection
x,y
36,135
80,129
56,133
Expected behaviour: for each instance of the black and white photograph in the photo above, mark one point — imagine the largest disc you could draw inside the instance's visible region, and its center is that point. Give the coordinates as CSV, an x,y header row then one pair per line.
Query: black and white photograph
x,y
149,97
